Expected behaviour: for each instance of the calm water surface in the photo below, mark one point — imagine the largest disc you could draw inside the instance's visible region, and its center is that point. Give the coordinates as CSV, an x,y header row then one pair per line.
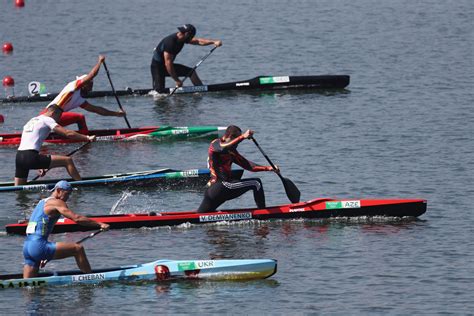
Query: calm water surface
x,y
403,128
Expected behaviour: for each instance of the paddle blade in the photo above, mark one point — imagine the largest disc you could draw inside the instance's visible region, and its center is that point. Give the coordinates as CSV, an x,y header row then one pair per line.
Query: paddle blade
x,y
291,190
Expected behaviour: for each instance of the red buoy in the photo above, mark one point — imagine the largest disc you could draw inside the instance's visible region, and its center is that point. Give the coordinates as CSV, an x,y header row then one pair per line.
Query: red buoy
x,y
7,48
1,118
8,81
19,3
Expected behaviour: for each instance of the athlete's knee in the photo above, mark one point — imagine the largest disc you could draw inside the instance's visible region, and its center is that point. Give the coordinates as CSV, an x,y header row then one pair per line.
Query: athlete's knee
x,y
69,160
258,184
78,248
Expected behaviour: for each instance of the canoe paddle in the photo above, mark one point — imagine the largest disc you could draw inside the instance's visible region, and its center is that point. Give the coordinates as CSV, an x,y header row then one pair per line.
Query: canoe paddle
x,y
291,190
69,154
91,235
194,69
115,93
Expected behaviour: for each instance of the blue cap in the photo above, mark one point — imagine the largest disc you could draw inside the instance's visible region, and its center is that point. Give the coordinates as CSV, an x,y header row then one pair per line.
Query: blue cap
x,y
63,185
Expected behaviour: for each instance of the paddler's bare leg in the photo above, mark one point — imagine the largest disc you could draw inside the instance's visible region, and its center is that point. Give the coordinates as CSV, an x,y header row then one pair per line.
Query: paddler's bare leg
x,y
195,79
65,250
20,181
29,271
66,162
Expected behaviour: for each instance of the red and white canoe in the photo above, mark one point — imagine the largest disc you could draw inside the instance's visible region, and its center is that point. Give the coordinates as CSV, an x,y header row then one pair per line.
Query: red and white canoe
x,y
317,208
124,134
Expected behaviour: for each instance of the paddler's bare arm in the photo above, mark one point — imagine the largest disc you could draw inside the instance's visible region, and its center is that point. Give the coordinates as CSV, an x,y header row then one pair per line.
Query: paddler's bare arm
x,y
205,42
100,110
94,70
72,134
169,59
61,207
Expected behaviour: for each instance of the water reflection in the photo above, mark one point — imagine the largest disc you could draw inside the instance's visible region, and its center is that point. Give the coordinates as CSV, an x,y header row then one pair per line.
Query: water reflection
x,y
78,300
175,107
182,287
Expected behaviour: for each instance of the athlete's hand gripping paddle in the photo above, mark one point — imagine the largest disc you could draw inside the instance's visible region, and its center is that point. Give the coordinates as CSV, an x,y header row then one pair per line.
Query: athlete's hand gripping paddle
x,y
194,69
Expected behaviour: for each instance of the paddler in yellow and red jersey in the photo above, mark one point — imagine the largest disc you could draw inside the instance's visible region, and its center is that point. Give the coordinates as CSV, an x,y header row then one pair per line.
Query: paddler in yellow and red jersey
x,y
73,96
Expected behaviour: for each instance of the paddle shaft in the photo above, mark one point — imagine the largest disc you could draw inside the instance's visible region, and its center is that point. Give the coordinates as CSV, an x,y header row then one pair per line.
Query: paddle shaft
x,y
115,93
266,157
91,235
69,154
194,69
290,188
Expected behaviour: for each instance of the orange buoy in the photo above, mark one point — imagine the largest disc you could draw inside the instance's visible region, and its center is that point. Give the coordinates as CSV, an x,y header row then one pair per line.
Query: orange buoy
x,y
19,3
8,81
7,47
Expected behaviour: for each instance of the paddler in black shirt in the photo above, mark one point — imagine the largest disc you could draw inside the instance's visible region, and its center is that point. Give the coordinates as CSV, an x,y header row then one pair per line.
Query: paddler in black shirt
x,y
162,64
221,187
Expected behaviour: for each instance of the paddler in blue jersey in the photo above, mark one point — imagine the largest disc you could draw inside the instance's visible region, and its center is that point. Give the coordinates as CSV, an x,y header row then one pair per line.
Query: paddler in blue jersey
x,y
162,64
37,249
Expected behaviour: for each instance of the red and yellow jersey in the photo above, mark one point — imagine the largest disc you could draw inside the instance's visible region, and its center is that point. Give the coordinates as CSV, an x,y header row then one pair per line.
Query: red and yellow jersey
x,y
70,97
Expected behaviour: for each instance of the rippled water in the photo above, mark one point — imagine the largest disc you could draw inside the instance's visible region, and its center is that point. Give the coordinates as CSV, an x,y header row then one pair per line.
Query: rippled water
x,y
403,128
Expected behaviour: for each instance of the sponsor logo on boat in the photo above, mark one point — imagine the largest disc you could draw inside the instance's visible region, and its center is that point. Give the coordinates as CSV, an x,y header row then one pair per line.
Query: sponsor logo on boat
x,y
225,217
9,285
242,84
34,187
270,80
88,277
191,89
184,266
190,173
342,204
296,210
108,138
180,130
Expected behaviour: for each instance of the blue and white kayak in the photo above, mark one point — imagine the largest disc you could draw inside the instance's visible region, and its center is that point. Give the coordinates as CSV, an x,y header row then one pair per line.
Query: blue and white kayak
x,y
172,177
156,271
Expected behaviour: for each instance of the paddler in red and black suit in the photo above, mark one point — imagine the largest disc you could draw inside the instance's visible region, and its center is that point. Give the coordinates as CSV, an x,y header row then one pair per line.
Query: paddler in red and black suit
x,y
162,63
72,96
221,187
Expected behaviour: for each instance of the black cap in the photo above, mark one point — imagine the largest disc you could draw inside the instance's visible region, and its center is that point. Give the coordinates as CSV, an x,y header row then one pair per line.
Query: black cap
x,y
187,28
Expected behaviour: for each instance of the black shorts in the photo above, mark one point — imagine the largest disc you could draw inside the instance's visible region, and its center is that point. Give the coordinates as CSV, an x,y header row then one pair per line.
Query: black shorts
x,y
159,72
30,159
222,191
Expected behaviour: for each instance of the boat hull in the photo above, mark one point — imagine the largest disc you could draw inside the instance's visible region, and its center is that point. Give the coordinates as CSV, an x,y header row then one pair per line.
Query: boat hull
x,y
317,208
128,134
261,83
156,271
164,177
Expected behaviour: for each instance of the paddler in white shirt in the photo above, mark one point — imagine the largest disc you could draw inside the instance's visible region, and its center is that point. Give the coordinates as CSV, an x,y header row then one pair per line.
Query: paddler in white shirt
x,y
34,133
73,96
